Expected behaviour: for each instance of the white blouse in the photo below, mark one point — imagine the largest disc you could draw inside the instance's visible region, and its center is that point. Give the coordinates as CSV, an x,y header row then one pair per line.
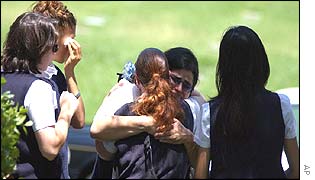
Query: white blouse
x,y
202,135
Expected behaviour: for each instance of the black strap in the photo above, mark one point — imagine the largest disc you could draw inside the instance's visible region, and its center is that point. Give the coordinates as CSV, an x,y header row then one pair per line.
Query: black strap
x,y
148,158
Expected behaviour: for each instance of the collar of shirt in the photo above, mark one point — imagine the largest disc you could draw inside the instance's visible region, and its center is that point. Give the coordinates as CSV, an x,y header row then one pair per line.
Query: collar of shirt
x,y
50,71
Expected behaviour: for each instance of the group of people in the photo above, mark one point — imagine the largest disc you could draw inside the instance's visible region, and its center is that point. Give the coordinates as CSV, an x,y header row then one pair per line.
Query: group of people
x,y
161,127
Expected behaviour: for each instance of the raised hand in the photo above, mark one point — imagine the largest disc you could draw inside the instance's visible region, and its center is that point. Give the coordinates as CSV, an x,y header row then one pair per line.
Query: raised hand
x,y
75,55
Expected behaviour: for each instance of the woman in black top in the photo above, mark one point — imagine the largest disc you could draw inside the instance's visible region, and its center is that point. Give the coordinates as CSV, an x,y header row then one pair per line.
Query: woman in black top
x,y
247,128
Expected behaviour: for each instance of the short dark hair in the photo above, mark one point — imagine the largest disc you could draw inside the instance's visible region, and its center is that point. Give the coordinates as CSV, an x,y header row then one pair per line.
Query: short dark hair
x,y
30,36
183,58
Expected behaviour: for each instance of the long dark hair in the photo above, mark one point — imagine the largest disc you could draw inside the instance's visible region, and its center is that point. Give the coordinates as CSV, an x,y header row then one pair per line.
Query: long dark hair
x,y
157,100
242,71
30,37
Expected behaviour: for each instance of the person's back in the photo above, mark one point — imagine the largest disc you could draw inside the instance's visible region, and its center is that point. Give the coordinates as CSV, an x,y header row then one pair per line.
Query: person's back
x,y
143,156
256,157
248,126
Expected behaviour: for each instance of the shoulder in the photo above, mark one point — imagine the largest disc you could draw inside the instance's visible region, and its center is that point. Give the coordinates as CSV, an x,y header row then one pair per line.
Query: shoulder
x,y
123,86
288,116
38,83
40,92
193,104
40,87
205,109
125,110
285,102
202,134
205,106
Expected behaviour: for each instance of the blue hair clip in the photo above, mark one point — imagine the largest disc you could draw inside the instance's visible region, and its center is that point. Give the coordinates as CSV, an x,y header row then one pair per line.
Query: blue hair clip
x,y
128,71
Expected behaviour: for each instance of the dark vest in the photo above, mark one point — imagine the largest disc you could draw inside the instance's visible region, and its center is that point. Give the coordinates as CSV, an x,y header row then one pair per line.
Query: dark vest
x,y
260,156
31,164
143,157
60,80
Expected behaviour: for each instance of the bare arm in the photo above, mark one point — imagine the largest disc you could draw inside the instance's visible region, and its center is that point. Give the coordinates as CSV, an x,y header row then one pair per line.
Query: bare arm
x,y
74,48
202,166
51,139
192,151
292,152
119,127
114,128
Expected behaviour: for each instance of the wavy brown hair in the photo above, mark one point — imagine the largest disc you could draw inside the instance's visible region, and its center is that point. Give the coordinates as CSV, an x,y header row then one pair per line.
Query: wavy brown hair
x,y
57,10
30,37
157,100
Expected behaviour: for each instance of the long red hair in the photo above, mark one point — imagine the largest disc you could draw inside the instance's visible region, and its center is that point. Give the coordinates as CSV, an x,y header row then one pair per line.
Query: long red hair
x,y
157,99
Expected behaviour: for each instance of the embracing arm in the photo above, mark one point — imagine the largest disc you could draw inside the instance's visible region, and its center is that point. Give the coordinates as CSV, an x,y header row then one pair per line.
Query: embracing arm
x,y
111,128
108,127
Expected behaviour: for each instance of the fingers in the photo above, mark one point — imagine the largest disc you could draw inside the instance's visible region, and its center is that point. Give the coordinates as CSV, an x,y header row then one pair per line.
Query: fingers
x,y
174,134
164,128
77,48
71,52
159,135
173,139
74,49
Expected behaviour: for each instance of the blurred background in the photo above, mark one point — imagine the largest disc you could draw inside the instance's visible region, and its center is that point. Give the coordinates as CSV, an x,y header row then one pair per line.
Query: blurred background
x,y
112,33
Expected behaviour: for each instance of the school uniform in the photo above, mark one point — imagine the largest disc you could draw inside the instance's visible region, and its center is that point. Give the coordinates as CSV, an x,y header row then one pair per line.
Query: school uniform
x,y
126,93
31,163
102,169
55,74
144,157
260,155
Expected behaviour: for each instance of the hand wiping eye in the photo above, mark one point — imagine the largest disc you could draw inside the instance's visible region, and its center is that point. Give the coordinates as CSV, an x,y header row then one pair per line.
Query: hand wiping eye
x,y
67,41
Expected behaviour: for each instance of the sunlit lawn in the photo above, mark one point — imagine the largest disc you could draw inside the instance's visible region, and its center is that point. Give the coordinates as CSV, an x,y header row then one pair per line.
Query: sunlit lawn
x,y
111,33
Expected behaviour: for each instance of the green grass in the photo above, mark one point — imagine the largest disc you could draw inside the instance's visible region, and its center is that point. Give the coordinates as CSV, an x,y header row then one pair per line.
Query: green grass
x,y
129,27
